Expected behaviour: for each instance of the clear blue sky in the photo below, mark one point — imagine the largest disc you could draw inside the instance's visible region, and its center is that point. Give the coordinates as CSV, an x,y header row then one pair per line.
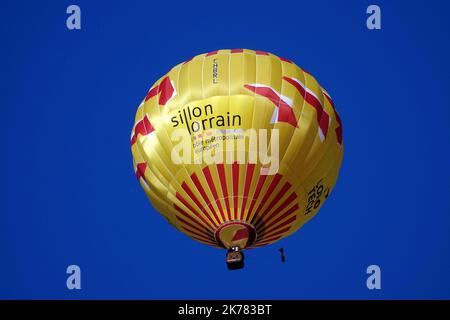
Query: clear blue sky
x,y
68,193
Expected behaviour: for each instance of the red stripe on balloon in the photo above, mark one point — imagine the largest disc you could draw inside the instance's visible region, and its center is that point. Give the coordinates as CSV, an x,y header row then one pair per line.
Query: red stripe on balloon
x,y
277,233
199,229
212,53
140,170
272,186
266,242
269,231
280,209
212,187
184,213
133,139
199,205
187,205
280,218
338,119
285,112
207,242
321,115
199,187
199,235
153,92
165,89
285,60
277,198
235,172
248,181
241,234
143,127
259,186
236,50
223,185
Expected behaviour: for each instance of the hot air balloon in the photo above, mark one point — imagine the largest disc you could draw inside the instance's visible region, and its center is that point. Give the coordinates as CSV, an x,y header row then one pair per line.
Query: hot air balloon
x,y
237,148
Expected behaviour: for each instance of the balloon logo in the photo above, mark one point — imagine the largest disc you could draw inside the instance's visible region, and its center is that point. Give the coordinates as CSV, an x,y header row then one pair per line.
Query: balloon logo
x,y
237,148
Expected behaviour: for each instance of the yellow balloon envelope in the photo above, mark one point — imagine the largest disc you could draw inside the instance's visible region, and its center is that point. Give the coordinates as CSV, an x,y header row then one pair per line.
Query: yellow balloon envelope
x,y
237,148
